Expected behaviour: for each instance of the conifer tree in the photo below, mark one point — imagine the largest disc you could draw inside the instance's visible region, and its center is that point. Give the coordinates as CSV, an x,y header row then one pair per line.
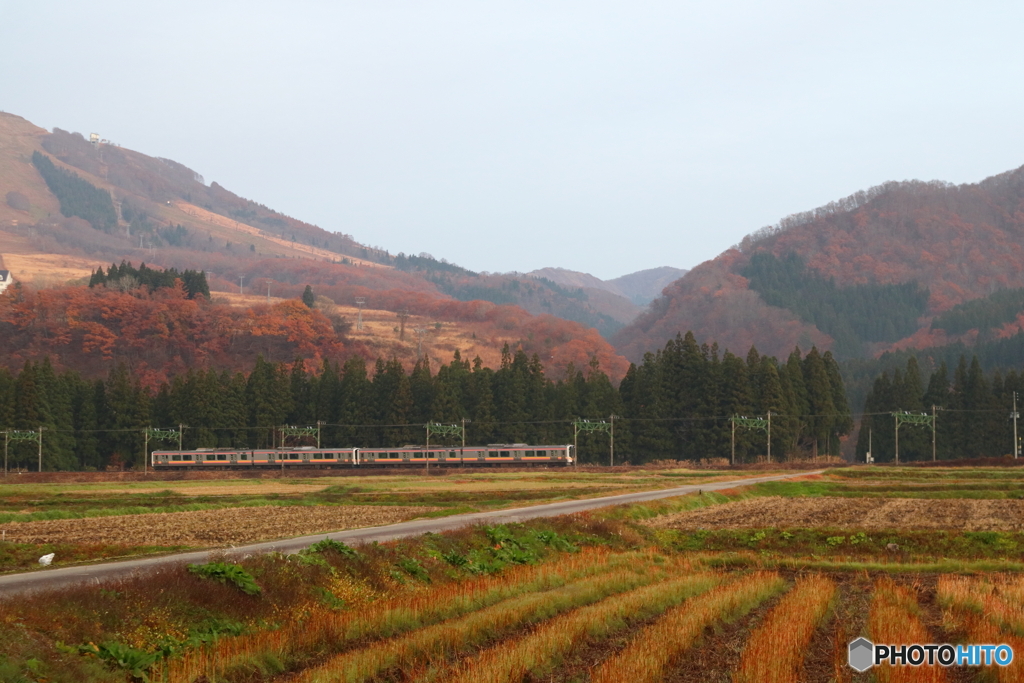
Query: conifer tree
x,y
479,403
355,408
822,412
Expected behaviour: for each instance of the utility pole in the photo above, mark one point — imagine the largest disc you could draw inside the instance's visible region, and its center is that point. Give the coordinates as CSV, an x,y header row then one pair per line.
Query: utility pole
x,y
933,432
897,418
268,292
869,442
180,427
1015,415
7,441
732,458
769,436
318,423
611,443
462,453
419,341
241,278
40,449
576,441
360,302
403,315
145,449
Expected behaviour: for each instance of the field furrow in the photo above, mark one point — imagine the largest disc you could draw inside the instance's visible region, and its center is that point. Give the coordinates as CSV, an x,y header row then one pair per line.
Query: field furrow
x,y
986,610
774,653
326,633
654,649
538,653
895,620
447,639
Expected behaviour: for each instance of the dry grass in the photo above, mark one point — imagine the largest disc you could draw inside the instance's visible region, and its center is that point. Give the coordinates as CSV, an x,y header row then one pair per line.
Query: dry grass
x,y
854,513
243,488
533,655
895,620
775,651
436,643
654,649
987,610
209,528
327,631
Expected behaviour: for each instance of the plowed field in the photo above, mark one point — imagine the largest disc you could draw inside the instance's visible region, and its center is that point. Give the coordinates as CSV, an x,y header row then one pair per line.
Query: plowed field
x,y
855,513
209,527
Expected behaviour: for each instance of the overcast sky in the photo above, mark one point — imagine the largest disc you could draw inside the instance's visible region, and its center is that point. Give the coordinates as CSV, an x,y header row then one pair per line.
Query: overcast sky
x,y
606,137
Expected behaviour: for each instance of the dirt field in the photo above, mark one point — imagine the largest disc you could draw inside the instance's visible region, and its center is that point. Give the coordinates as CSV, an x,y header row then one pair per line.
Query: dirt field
x,y
855,513
209,527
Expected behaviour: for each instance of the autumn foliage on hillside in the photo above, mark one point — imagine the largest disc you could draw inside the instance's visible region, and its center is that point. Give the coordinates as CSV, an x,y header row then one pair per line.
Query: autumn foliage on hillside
x,y
163,333
958,242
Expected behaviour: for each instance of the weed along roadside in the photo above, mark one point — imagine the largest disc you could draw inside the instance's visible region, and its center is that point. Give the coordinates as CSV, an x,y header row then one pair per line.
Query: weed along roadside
x,y
630,592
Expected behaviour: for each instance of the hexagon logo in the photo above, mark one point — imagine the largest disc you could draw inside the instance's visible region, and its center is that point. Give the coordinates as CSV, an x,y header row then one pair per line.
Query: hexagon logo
x,y
862,653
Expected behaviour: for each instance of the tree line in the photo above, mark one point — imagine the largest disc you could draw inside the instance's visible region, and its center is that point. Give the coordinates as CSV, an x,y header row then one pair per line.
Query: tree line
x,y
972,412
77,197
676,404
128,277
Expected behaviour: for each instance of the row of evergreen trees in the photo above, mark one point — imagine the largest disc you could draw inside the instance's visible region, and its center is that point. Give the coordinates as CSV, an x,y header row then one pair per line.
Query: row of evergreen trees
x,y
77,197
972,413
679,398
129,277
675,405
850,315
984,314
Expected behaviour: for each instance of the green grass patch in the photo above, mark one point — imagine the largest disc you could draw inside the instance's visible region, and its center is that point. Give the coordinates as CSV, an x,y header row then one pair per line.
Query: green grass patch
x,y
966,545
636,512
25,556
925,566
962,490
929,473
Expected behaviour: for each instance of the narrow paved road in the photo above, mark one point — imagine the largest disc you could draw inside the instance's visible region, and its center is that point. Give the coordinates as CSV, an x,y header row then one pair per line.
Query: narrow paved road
x,y
95,573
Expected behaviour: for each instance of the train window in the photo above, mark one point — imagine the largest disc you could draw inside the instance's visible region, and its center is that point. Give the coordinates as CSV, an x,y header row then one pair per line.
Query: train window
x,y
453,454
187,456
542,454
176,457
505,454
529,454
245,456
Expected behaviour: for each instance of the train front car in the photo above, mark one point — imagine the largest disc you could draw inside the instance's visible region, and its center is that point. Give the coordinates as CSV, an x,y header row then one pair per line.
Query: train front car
x,y
237,459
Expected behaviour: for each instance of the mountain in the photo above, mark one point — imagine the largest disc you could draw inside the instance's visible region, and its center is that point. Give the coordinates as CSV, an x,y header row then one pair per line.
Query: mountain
x,y
641,287
644,286
860,276
69,206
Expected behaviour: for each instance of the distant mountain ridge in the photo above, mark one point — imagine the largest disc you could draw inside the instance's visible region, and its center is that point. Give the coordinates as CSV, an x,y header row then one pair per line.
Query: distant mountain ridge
x,y
859,276
641,287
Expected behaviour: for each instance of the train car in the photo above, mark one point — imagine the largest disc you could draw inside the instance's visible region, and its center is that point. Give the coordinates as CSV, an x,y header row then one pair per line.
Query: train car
x,y
514,454
232,458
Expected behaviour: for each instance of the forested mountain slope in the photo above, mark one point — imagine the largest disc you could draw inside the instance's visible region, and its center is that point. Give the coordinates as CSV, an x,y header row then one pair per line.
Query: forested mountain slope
x,y
69,206
859,276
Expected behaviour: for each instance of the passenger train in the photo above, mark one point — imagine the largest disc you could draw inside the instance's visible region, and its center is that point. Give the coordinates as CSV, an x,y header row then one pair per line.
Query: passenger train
x,y
515,454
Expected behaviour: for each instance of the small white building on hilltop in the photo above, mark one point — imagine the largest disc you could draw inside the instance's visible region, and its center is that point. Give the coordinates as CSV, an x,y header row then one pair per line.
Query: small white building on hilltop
x,y
5,279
